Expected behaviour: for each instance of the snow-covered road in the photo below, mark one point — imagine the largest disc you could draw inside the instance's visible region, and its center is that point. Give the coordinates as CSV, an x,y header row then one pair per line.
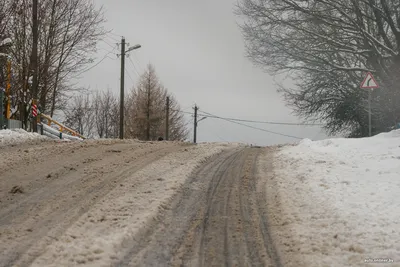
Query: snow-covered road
x,y
111,202
63,204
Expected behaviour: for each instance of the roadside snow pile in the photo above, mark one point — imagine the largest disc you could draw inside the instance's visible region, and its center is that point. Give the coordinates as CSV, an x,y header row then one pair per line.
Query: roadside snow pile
x,y
17,136
341,201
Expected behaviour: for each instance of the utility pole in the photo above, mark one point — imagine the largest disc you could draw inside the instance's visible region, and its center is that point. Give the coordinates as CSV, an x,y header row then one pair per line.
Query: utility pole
x,y
148,106
8,91
195,124
34,58
167,121
121,110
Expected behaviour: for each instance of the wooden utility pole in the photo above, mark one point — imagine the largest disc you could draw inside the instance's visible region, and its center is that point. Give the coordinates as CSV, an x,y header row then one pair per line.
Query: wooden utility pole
x,y
195,124
34,58
121,111
8,91
148,112
167,121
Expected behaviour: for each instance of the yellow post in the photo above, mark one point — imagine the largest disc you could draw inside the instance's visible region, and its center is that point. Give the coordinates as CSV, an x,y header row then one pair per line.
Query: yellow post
x,y
8,90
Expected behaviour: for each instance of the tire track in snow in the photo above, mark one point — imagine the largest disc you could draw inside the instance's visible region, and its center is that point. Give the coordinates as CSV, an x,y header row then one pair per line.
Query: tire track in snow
x,y
37,218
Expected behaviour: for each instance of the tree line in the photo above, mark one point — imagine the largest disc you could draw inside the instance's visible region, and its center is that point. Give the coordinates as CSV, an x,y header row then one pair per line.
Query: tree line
x,y
327,47
96,114
68,34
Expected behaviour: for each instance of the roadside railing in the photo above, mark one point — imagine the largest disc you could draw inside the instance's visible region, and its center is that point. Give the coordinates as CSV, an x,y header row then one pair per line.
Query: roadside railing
x,y
60,133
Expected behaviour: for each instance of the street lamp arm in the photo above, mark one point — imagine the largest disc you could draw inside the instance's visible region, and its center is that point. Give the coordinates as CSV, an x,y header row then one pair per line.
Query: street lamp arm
x,y
202,119
133,48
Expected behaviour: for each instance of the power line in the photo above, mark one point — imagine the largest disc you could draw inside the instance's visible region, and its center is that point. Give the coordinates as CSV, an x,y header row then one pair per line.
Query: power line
x,y
113,38
138,61
251,121
104,49
110,45
264,122
242,124
186,108
252,127
264,130
127,72
130,60
185,112
110,32
98,63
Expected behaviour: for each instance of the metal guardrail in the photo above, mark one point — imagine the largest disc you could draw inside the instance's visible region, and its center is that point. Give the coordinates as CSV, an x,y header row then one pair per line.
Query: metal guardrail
x,y
62,127
55,134
43,129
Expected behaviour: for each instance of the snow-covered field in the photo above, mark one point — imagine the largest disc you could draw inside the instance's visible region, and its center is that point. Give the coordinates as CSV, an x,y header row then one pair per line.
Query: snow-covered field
x,y
340,202
18,136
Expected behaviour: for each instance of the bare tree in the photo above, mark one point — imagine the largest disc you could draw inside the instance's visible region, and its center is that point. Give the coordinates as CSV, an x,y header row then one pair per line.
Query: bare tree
x,y
7,9
79,115
327,46
178,128
68,33
104,105
146,110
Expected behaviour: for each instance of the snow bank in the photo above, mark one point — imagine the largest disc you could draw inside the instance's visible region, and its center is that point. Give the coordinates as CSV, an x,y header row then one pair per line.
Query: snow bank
x,y
97,238
341,200
17,136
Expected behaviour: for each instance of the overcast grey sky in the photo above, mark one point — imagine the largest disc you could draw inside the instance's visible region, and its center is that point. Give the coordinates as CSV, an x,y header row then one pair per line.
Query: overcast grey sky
x,y
199,55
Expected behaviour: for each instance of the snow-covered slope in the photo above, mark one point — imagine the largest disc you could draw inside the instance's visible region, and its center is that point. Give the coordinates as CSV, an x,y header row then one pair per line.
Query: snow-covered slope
x,y
341,200
17,136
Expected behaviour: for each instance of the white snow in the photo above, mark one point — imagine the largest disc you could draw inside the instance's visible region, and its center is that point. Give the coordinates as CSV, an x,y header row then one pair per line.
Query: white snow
x,y
17,136
341,200
97,238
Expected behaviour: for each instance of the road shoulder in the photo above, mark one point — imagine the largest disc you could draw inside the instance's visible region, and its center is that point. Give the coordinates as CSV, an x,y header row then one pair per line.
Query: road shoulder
x,y
269,189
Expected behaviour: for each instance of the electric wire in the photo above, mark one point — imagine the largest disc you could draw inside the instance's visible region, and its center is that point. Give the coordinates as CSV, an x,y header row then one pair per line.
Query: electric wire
x,y
127,72
138,61
263,122
113,38
251,121
242,124
110,32
134,67
110,45
98,63
252,127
